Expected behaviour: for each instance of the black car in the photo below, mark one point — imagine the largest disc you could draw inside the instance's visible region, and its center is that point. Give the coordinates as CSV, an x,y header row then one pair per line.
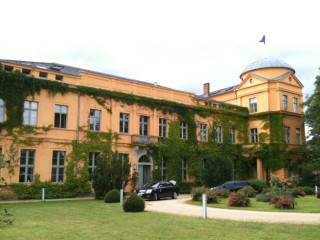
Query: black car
x,y
232,185
155,191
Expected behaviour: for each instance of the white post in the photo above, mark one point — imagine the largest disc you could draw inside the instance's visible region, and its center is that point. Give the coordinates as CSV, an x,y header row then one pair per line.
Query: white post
x,y
316,188
121,197
204,205
43,192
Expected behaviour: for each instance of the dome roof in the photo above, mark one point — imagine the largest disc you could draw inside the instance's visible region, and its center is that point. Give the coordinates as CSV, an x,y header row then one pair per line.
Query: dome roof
x,y
266,63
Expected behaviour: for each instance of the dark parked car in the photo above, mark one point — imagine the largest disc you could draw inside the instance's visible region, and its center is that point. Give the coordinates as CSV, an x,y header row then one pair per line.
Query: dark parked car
x,y
232,185
155,191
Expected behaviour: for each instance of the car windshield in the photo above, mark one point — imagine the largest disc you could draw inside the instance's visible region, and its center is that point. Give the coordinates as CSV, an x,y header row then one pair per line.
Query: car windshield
x,y
153,185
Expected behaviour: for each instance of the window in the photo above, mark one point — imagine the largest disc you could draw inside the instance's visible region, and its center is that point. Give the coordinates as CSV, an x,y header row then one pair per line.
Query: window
x,y
1,110
26,165
163,169
58,159
183,130
295,105
287,135
59,77
298,136
43,74
92,163
184,169
162,127
60,116
124,123
253,105
251,80
8,68
285,102
95,116
203,132
144,125
219,134
254,135
233,135
26,71
30,113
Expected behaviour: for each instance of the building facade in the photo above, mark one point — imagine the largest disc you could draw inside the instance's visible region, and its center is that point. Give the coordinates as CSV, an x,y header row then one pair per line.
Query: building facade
x,y
47,109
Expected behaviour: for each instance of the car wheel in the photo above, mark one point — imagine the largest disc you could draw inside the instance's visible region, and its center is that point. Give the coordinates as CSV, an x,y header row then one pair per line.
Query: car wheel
x,y
155,197
174,195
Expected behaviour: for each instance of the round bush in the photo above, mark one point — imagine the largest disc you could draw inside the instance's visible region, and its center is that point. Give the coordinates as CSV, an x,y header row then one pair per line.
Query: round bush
x,y
112,197
308,190
257,184
134,204
264,197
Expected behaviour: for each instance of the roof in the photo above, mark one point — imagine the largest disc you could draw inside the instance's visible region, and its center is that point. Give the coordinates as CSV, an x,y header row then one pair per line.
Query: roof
x,y
61,68
224,90
266,63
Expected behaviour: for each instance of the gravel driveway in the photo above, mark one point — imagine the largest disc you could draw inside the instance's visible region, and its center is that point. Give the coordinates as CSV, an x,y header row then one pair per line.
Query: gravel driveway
x,y
179,206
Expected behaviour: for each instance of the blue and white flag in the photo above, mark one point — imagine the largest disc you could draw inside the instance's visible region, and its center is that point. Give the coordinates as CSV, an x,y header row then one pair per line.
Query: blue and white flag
x,y
263,39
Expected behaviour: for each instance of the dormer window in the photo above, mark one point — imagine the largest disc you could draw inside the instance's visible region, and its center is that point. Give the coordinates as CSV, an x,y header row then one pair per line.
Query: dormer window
x,y
43,74
59,77
8,68
251,80
290,79
26,71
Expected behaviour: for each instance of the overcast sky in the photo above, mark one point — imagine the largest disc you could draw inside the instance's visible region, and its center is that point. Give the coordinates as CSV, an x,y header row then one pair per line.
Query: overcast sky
x,y
178,44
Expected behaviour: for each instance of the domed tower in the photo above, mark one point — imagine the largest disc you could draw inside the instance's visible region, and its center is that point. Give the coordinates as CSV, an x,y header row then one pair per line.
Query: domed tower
x,y
270,90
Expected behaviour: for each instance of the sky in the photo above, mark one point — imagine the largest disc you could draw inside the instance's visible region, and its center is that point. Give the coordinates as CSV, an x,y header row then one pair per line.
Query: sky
x,y
178,44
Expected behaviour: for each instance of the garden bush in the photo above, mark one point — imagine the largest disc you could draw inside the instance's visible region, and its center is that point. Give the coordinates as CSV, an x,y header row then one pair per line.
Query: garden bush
x,y
197,193
264,197
134,204
257,184
248,191
282,201
185,187
308,190
112,196
318,194
239,199
6,218
211,196
222,193
295,192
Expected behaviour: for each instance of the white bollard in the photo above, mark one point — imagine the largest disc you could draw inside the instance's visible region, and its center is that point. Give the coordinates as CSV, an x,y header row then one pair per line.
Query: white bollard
x,y
204,205
316,188
43,192
121,197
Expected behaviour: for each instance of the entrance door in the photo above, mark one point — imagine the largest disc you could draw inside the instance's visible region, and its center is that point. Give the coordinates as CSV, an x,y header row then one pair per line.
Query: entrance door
x,y
144,170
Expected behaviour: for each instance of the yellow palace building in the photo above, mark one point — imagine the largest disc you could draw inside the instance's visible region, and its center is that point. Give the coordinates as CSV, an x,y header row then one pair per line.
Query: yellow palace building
x,y
46,109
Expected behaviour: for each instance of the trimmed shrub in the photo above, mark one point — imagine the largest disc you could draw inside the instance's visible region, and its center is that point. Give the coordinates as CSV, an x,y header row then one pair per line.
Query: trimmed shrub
x,y
239,199
222,193
248,191
264,197
197,193
258,184
134,204
185,187
282,201
318,194
112,197
266,190
211,196
307,190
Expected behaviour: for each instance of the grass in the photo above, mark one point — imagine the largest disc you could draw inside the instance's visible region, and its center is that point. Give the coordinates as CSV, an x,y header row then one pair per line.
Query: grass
x,y
304,205
92,219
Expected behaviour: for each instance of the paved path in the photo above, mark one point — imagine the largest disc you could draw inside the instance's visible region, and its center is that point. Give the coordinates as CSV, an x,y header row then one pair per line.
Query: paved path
x,y
179,206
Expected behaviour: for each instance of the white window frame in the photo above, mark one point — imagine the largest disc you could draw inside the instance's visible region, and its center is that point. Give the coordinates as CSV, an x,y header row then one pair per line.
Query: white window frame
x,y
1,110
218,134
92,163
298,136
30,113
287,132
253,105
295,105
254,135
183,170
144,126
61,111
203,132
27,177
183,130
58,166
124,123
285,102
95,120
233,135
162,127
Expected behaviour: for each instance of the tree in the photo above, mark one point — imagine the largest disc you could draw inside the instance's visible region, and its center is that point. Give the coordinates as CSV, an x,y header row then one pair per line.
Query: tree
x,y
101,177
217,171
9,162
311,158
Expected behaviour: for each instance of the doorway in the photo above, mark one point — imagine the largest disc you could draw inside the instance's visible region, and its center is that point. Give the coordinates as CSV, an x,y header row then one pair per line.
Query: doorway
x,y
144,170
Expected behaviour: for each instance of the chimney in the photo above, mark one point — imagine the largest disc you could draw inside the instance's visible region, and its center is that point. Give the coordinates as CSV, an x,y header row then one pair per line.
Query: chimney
x,y
206,89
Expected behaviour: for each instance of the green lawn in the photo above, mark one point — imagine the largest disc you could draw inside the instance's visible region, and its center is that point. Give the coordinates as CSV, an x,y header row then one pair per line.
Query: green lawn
x,y
304,205
92,219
